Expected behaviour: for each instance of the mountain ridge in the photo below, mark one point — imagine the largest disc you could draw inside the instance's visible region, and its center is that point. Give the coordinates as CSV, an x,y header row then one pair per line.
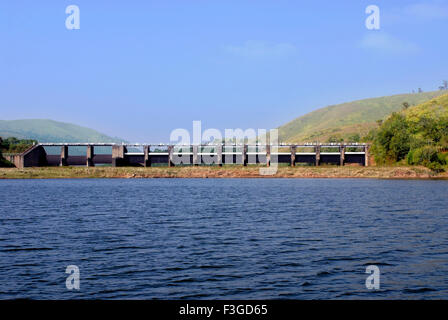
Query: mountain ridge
x,y
48,130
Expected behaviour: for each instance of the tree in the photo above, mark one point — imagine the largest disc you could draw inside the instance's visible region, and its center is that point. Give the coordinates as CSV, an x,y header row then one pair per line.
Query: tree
x,y
420,90
354,138
392,142
335,139
405,105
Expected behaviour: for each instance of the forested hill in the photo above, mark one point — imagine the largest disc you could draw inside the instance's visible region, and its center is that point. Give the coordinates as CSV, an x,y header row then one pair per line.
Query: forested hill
x,y
348,121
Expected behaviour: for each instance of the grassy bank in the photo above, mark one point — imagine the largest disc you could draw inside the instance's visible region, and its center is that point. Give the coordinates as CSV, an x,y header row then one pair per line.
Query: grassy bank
x,y
395,172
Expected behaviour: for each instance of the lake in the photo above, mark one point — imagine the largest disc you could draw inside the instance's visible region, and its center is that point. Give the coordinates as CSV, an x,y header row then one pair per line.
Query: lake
x,y
224,238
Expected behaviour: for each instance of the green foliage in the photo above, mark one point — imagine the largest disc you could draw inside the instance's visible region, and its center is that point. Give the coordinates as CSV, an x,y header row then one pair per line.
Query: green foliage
x,y
417,134
335,139
3,162
392,141
14,145
354,138
436,167
442,158
423,156
347,119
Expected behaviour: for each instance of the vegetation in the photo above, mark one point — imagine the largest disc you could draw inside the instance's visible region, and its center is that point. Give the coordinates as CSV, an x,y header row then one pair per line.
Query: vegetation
x,y
52,131
14,145
3,162
381,172
416,135
346,121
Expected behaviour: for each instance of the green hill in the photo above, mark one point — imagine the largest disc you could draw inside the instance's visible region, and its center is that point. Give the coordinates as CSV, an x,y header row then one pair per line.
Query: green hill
x,y
345,120
45,130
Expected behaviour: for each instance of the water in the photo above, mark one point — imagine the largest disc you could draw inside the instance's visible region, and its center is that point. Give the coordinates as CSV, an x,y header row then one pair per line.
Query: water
x,y
223,238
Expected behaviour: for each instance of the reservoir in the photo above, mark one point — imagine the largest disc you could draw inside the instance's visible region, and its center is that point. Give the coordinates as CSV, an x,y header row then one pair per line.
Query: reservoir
x,y
223,238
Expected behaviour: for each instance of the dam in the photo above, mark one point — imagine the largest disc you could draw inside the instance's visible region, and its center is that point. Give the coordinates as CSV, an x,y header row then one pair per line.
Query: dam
x,y
146,155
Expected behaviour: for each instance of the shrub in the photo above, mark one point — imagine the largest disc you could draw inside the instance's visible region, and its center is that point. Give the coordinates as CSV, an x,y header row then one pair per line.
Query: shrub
x,y
436,167
443,158
423,156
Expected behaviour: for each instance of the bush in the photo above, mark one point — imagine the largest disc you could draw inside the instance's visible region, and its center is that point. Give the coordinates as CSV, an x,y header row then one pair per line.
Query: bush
x,y
423,156
5,163
436,167
443,158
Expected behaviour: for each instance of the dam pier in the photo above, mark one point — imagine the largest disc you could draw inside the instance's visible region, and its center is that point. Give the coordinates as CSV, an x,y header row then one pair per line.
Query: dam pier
x,y
146,155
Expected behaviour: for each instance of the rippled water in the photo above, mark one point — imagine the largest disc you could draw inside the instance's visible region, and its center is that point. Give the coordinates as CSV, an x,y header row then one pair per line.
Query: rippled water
x,y
223,238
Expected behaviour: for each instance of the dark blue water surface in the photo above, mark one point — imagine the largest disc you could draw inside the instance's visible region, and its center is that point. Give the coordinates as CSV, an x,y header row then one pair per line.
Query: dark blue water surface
x,y
223,238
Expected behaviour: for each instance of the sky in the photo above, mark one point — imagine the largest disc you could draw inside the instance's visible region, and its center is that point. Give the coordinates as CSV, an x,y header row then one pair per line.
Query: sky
x,y
140,69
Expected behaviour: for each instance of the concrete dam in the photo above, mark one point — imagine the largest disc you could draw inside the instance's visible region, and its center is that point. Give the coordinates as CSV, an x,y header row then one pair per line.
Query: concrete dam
x,y
145,155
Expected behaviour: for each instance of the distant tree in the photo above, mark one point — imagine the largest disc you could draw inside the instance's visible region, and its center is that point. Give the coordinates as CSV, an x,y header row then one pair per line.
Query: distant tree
x,y
354,138
420,90
405,105
335,139
444,85
379,122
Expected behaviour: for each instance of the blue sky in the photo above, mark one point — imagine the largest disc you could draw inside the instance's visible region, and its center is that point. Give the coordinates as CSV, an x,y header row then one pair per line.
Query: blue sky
x,y
139,69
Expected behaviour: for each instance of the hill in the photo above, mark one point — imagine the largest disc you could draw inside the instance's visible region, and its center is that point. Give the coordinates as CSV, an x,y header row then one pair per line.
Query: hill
x,y
45,130
346,120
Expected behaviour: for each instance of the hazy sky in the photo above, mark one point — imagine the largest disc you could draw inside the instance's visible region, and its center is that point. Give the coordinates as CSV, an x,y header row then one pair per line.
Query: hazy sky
x,y
139,69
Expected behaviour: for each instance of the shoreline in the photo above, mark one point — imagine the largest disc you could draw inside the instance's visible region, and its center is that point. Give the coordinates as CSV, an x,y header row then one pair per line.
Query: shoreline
x,y
328,172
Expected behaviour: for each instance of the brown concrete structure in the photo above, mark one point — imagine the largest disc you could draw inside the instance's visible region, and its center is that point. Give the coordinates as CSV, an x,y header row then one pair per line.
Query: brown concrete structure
x,y
317,148
118,152
293,156
342,152
147,159
366,161
268,155
34,156
64,156
89,156
244,155
219,155
195,155
170,156
141,155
